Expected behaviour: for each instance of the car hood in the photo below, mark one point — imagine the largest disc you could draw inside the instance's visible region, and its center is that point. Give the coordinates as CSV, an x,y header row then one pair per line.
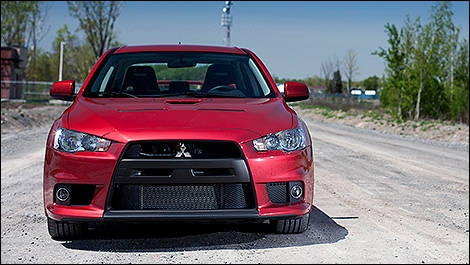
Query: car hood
x,y
130,119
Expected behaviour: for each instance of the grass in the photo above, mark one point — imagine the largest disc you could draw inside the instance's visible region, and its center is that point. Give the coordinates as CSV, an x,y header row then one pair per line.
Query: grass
x,y
375,116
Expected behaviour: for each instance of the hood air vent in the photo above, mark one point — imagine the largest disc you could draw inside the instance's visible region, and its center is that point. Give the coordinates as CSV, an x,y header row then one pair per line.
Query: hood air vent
x,y
222,109
182,101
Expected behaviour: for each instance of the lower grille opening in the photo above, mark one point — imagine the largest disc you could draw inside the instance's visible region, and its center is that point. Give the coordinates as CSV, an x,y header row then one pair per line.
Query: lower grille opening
x,y
182,197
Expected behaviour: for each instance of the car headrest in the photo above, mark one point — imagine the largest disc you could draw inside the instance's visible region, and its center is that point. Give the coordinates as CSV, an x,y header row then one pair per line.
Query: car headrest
x,y
141,78
178,86
218,74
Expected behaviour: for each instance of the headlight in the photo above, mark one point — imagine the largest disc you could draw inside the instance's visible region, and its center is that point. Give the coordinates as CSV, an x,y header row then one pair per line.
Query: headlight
x,y
288,140
73,141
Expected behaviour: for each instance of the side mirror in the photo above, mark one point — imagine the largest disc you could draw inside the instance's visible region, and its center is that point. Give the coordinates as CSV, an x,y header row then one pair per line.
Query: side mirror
x,y
295,91
64,90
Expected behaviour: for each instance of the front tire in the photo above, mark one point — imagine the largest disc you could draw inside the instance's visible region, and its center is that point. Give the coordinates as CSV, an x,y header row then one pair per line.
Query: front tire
x,y
292,225
63,230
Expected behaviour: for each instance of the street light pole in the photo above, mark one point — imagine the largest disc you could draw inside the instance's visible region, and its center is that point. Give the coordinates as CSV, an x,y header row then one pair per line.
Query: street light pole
x,y
61,61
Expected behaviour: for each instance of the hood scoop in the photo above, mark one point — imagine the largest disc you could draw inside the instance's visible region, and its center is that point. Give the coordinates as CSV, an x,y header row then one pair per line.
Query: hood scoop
x,y
183,101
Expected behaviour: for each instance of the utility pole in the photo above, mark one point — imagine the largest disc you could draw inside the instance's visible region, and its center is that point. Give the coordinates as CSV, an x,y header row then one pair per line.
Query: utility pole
x,y
61,60
227,22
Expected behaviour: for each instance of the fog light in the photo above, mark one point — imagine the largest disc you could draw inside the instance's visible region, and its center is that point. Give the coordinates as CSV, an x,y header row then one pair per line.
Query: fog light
x,y
62,194
296,191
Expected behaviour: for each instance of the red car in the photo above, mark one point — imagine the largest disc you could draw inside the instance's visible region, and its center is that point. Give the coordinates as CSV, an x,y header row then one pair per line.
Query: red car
x,y
178,132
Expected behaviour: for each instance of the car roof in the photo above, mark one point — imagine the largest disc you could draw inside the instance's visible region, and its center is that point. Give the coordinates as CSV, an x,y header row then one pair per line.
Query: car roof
x,y
179,48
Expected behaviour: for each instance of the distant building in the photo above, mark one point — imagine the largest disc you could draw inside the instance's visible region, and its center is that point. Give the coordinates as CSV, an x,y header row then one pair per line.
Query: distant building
x,y
356,91
361,93
13,60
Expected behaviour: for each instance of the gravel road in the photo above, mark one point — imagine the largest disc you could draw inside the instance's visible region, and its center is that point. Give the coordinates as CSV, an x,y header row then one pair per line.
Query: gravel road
x,y
379,198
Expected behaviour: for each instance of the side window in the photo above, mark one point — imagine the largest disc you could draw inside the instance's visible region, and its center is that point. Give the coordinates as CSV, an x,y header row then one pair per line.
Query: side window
x,y
104,84
249,81
259,77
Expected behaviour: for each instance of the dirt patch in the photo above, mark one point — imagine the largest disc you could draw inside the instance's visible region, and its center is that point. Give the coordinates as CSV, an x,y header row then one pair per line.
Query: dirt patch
x,y
428,129
378,198
20,116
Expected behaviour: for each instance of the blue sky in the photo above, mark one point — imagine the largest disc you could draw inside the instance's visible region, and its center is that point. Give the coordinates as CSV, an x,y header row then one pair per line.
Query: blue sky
x,y
291,38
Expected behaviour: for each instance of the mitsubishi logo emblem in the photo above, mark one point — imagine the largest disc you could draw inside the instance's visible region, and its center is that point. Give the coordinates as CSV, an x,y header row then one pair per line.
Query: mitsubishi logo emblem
x,y
181,152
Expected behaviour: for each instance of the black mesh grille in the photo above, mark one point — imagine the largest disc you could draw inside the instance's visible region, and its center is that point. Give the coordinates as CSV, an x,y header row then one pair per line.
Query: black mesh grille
x,y
182,197
182,149
179,197
277,192
181,176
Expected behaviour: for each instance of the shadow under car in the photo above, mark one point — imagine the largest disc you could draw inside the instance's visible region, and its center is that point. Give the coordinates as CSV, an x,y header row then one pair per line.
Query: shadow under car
x,y
179,236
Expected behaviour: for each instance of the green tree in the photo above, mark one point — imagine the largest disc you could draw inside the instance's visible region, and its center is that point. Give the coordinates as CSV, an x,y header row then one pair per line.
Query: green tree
x,y
409,73
16,19
337,83
97,20
48,70
447,35
78,57
23,24
314,81
423,51
36,33
460,98
371,83
435,55
395,59
432,79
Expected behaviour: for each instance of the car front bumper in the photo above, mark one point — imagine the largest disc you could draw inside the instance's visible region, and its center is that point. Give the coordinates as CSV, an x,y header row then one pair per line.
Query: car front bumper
x,y
99,168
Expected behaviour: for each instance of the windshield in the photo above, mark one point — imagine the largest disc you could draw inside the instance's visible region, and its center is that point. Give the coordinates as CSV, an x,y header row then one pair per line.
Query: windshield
x,y
179,74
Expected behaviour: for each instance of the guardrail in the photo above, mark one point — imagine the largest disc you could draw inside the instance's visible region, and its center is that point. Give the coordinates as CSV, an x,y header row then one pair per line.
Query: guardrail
x,y
28,90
